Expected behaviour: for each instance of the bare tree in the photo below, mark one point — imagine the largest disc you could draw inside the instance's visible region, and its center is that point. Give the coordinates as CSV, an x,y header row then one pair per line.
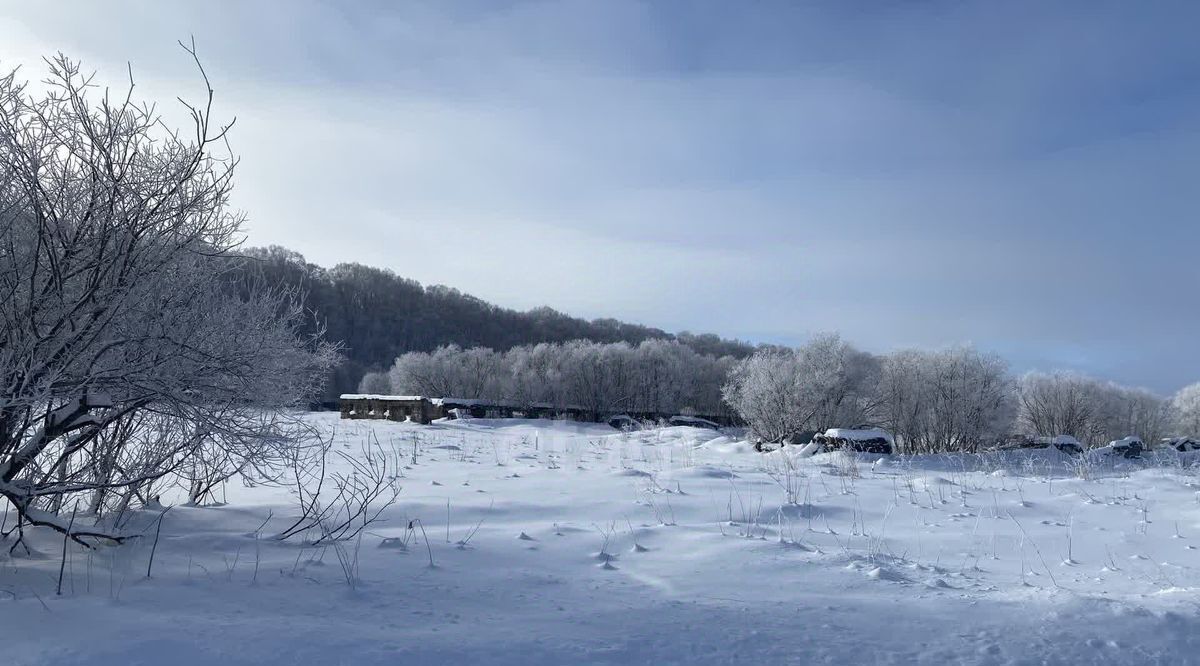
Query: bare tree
x,y
123,354
337,506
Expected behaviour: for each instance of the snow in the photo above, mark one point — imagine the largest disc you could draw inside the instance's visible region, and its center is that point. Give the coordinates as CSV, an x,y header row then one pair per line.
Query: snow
x,y
471,402
1126,442
561,542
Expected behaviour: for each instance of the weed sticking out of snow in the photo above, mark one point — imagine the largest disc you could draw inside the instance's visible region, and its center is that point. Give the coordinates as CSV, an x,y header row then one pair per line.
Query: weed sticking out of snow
x,y
671,541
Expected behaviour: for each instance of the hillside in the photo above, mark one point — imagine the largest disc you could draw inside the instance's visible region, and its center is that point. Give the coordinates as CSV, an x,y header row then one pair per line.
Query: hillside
x,y
378,315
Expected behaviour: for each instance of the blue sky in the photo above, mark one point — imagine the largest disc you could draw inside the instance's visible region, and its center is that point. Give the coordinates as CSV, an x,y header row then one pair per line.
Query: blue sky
x,y
1021,176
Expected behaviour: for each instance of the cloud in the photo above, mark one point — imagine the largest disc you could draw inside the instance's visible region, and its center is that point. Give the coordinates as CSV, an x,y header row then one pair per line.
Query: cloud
x,y
1014,175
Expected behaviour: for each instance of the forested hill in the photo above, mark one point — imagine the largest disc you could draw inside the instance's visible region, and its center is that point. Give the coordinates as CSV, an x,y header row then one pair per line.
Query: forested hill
x,y
378,315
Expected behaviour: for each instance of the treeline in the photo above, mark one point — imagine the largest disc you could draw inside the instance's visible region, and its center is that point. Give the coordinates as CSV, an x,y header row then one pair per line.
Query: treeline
x,y
957,399
401,337
378,316
662,376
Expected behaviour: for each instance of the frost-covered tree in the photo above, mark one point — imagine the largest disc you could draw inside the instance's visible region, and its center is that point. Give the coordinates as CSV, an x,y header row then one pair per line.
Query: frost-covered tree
x,y
823,384
657,376
952,400
375,383
450,372
1186,407
1059,403
124,355
839,382
1124,411
431,374
709,377
1093,410
480,373
661,367
534,375
595,378
765,391
903,395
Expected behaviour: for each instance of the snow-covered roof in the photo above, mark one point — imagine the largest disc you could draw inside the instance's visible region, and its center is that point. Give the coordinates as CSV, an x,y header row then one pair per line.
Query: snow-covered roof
x,y
1126,441
471,402
859,435
375,396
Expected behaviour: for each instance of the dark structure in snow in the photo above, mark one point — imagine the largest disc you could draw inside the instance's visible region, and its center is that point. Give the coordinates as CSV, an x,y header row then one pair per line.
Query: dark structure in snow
x,y
1181,443
694,421
420,409
1064,443
862,439
390,407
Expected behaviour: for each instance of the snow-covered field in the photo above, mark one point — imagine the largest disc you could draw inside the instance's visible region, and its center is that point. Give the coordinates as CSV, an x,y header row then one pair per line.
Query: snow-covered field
x,y
572,543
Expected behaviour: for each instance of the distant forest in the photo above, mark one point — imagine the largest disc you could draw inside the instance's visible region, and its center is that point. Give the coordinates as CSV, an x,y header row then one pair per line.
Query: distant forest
x,y
378,315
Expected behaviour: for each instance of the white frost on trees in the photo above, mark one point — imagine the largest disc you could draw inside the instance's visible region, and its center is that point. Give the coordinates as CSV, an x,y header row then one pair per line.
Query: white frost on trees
x,y
1090,409
951,400
824,384
1186,405
375,383
661,376
124,353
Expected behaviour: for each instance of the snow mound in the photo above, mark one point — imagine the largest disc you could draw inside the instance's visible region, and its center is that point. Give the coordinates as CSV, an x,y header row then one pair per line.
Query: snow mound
x,y
883,573
727,446
704,472
859,434
931,483
631,472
